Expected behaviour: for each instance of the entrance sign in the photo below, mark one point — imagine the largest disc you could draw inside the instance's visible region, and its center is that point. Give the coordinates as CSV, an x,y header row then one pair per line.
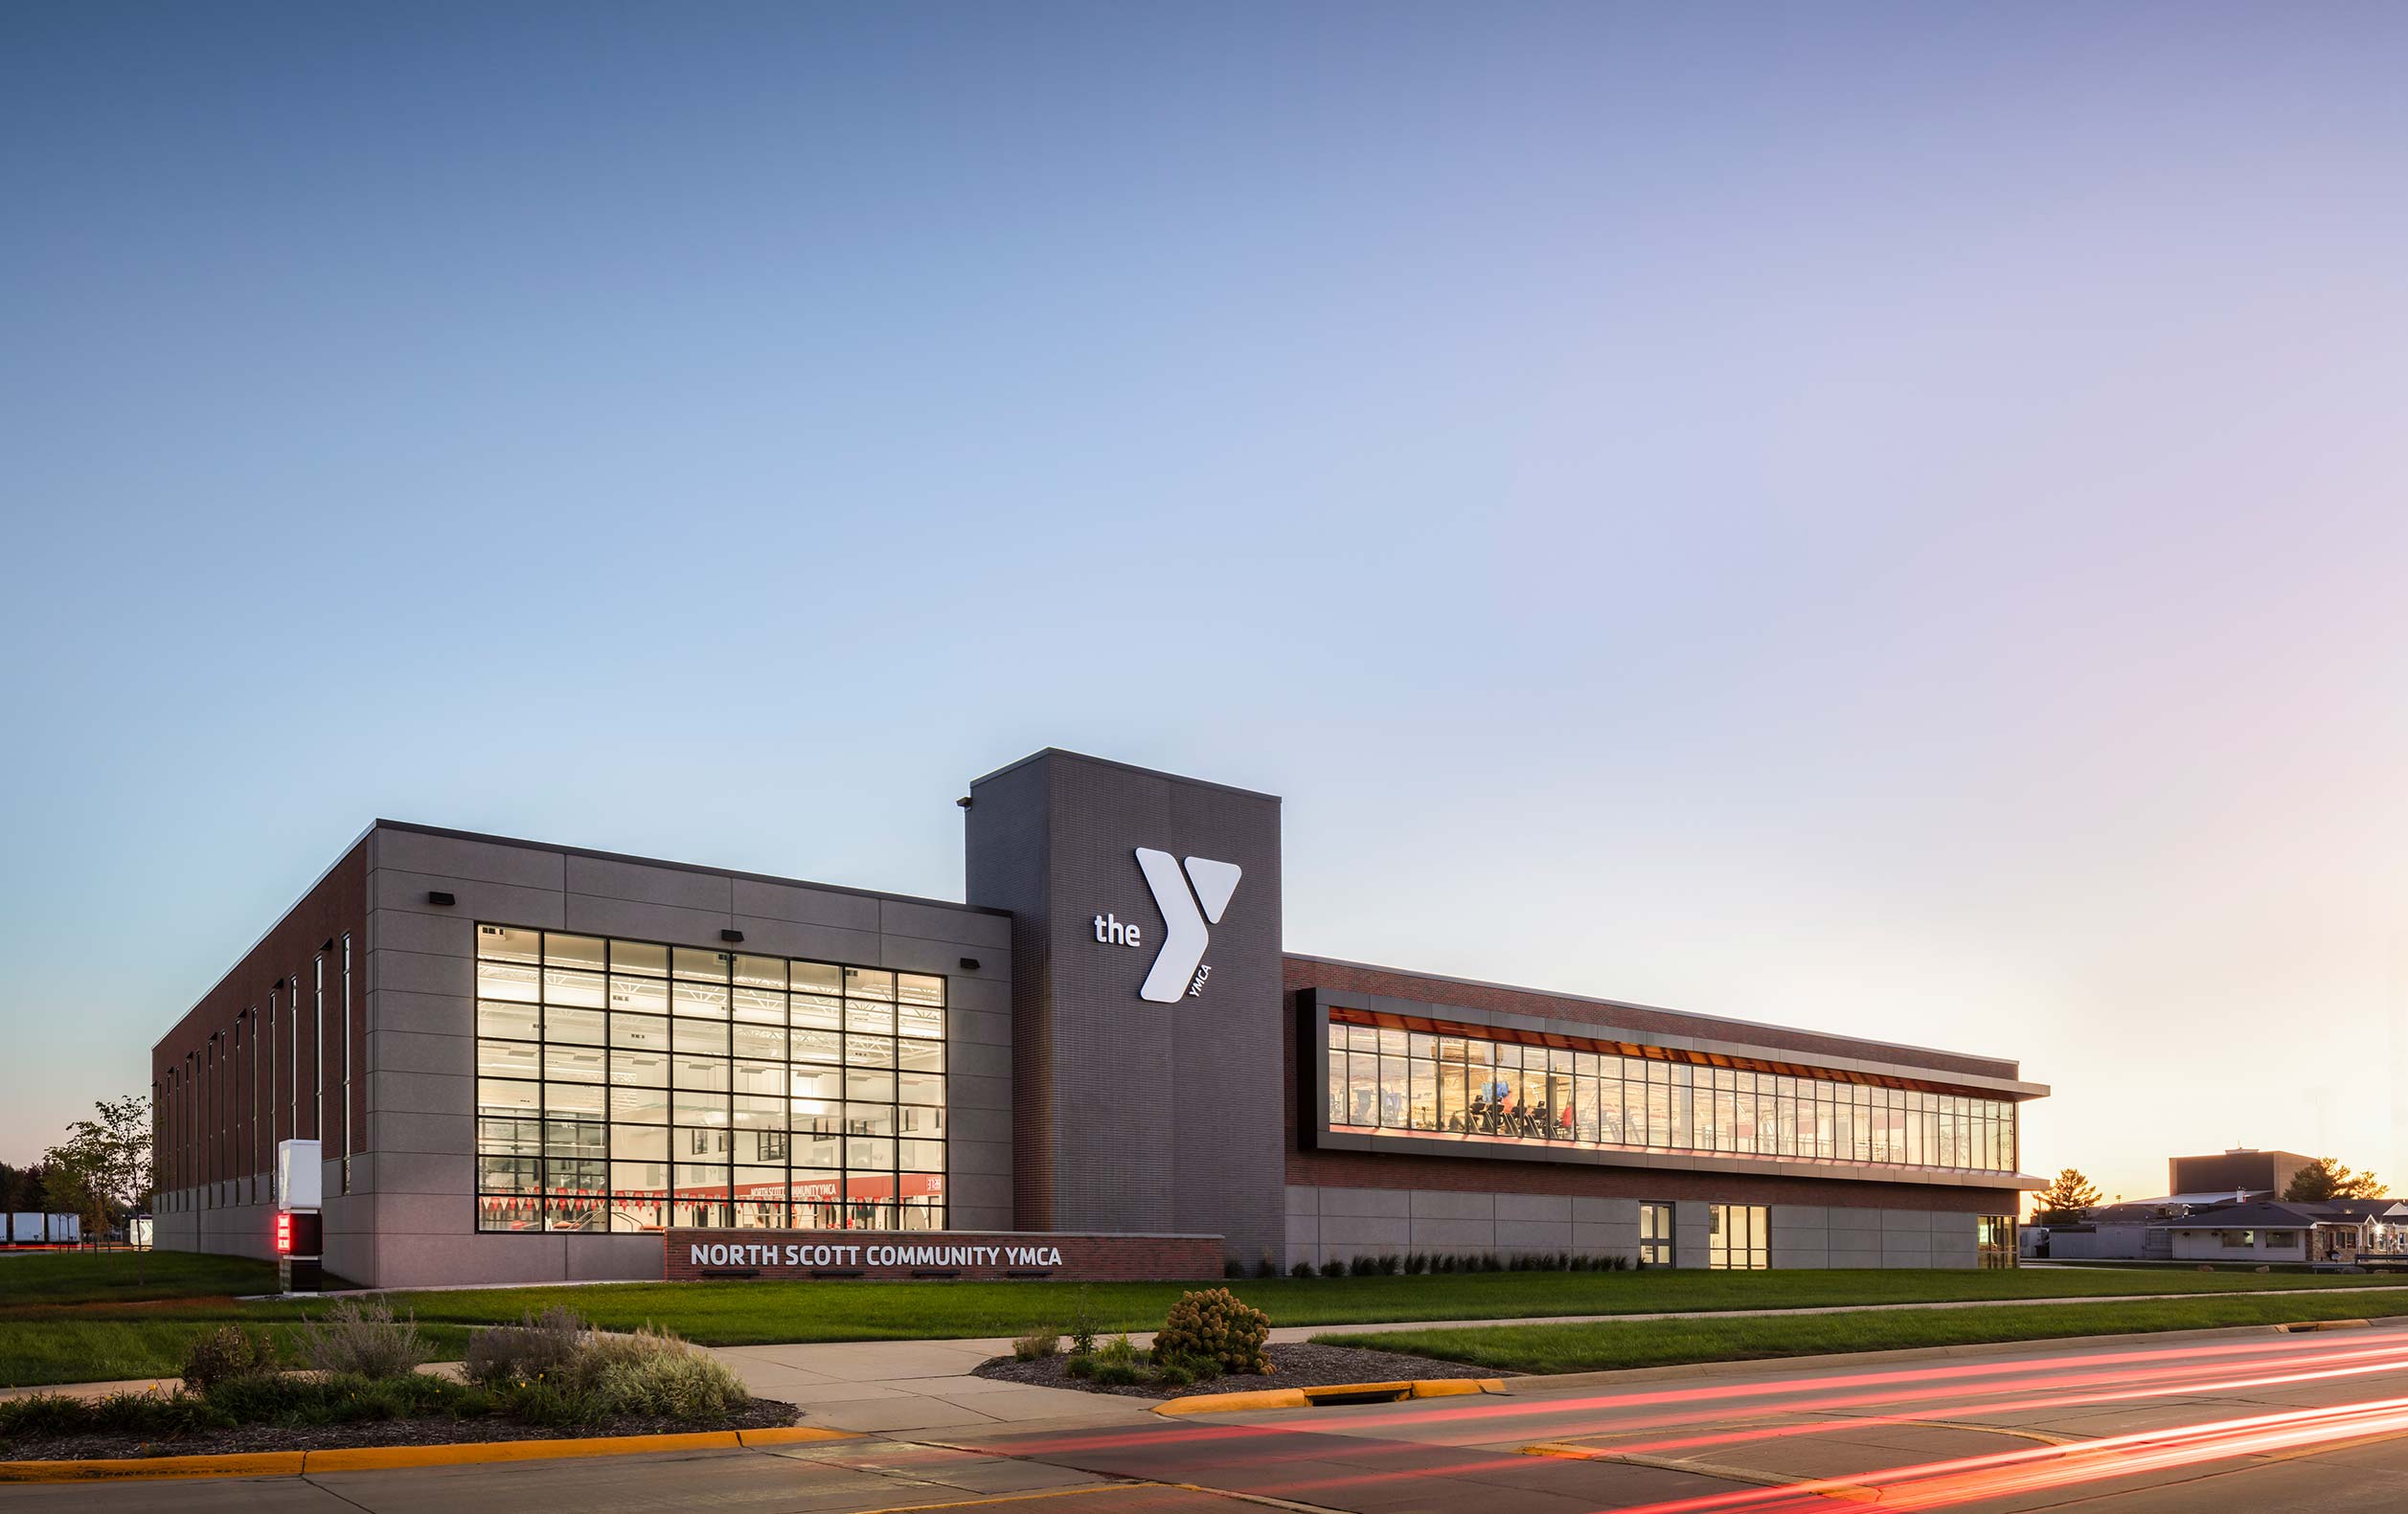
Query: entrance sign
x,y
715,1254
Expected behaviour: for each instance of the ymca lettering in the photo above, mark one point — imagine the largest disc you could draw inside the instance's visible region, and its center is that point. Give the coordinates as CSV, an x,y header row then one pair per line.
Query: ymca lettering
x,y
802,1255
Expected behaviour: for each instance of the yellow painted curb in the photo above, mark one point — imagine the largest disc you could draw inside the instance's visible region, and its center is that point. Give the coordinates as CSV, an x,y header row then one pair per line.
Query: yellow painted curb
x,y
141,1469
2298,1326
1232,1403
372,1458
792,1434
1309,1398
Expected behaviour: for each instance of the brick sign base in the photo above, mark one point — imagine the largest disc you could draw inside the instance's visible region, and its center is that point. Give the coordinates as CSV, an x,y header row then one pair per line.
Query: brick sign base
x,y
691,1255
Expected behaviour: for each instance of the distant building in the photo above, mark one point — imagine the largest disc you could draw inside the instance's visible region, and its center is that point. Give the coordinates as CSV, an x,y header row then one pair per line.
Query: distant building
x,y
2242,1170
2341,1231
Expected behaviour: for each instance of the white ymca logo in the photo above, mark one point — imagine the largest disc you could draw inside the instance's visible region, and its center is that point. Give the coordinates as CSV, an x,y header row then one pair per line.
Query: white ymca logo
x,y
1179,967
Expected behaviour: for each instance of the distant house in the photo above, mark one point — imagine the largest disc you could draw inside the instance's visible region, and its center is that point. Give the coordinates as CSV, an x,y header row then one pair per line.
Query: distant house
x,y
2270,1231
2130,1230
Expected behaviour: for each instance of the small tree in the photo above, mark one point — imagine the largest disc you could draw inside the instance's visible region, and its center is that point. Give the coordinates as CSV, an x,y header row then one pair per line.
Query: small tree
x,y
2325,1179
104,1166
2066,1196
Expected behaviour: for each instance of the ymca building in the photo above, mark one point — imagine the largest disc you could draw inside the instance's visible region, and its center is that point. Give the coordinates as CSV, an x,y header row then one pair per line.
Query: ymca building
x,y
524,1062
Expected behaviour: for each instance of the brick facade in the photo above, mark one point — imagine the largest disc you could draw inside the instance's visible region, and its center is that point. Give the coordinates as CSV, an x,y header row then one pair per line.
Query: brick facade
x,y
223,1079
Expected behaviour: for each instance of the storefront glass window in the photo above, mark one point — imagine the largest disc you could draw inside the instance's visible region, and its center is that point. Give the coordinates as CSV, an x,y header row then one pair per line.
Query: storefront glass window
x,y
1466,1084
628,1086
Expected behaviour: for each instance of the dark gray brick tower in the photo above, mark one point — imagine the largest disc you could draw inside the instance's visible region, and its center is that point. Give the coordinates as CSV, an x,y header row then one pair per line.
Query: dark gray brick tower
x,y
1130,1113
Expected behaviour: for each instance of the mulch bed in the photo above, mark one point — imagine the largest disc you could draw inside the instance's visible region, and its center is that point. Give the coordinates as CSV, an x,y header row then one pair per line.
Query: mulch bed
x,y
761,1414
1298,1366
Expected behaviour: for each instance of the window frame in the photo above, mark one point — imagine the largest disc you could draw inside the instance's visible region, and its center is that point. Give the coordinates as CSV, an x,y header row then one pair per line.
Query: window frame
x,y
575,1162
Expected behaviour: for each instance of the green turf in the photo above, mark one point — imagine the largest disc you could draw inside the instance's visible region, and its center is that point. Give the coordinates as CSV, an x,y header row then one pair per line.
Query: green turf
x,y
126,1277
58,1324
1609,1346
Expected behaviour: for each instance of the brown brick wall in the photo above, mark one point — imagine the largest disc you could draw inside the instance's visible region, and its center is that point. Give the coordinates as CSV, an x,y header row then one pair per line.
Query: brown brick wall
x,y
1095,1258
204,1129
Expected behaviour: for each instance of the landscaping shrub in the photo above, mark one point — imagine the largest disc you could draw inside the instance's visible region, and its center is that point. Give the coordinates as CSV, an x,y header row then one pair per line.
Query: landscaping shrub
x,y
1333,1268
649,1372
1303,1268
146,1414
1118,1375
1216,1326
1265,1267
225,1353
1082,1324
1173,1375
1081,1364
1037,1346
664,1377
538,1349
363,1340
1391,1265
549,1407
1231,1267
154,1413
1362,1267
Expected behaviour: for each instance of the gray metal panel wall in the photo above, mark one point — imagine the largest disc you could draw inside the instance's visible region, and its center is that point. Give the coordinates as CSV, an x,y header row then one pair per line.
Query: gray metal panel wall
x,y
1133,1115
411,1217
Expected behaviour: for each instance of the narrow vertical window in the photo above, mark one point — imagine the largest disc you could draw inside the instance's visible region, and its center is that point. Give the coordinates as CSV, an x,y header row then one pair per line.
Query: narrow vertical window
x,y
350,1142
317,1050
293,1115
251,1142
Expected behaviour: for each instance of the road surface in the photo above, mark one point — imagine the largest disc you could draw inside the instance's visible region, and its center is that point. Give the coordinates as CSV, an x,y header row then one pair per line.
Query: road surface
x,y
2254,1421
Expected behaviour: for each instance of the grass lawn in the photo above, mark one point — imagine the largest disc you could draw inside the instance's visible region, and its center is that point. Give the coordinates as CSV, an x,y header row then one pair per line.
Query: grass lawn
x,y
70,1317
1608,1346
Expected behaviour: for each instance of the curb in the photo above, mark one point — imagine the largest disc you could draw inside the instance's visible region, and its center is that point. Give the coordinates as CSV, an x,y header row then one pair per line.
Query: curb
x,y
370,1458
2305,1326
1332,1394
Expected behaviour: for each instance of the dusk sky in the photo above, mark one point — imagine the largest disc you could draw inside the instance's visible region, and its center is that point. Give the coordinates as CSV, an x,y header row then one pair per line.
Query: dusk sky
x,y
1887,518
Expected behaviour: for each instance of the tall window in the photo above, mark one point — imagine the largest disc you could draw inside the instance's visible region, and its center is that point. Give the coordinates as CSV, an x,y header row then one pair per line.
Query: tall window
x,y
209,1118
1655,1235
293,1125
271,1092
350,1141
1738,1236
1994,1237
1487,1086
632,1086
251,1142
317,1050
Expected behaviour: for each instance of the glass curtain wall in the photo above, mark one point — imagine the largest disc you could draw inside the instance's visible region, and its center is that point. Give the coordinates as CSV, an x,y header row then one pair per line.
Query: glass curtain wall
x,y
1479,1088
632,1086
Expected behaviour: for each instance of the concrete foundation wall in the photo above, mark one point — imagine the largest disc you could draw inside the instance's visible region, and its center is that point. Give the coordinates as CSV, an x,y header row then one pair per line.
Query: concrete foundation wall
x,y
1327,1224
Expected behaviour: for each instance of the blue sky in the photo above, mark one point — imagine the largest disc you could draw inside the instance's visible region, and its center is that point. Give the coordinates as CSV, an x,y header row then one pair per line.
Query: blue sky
x,y
1885,517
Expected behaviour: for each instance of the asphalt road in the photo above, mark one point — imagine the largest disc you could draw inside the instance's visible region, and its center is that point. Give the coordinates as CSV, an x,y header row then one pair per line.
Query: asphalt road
x,y
2253,1420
